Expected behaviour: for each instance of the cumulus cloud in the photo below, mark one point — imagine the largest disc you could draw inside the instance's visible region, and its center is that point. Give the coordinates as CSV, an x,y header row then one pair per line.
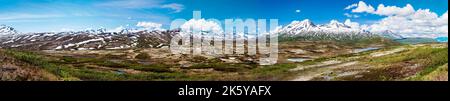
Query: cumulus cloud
x,y
348,22
201,25
351,15
405,20
361,7
351,6
394,10
150,25
423,23
174,6
443,20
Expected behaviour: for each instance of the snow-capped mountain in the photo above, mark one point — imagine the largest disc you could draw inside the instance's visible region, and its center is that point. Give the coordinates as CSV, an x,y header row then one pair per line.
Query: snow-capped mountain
x,y
336,24
334,30
306,27
95,31
391,35
89,40
297,26
7,31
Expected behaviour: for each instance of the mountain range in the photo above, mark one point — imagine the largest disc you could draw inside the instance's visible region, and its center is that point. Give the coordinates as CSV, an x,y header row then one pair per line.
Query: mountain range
x,y
307,30
95,39
6,31
85,40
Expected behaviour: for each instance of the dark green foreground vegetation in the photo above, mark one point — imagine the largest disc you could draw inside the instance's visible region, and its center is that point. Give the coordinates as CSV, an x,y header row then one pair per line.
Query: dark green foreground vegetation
x,y
428,63
69,68
428,59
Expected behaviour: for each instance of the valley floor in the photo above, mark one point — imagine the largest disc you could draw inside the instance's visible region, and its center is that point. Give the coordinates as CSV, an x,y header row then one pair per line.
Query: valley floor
x,y
308,61
423,62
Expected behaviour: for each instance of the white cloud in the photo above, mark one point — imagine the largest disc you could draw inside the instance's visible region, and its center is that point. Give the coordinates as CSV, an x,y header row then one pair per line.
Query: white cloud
x,y
363,7
422,23
351,15
355,25
297,11
150,25
405,20
443,29
445,15
394,10
443,20
351,6
174,6
201,25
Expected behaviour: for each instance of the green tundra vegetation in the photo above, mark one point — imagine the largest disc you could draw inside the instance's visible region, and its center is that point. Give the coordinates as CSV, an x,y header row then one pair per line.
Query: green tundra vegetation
x,y
423,62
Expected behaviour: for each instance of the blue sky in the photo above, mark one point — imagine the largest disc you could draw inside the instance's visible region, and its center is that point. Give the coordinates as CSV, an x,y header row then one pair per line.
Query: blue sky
x,y
58,15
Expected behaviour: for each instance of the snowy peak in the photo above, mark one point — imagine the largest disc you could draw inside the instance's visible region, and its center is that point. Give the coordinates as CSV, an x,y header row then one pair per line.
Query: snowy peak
x,y
123,30
95,31
126,31
88,39
336,24
307,26
302,24
391,35
295,26
306,23
6,30
104,31
335,30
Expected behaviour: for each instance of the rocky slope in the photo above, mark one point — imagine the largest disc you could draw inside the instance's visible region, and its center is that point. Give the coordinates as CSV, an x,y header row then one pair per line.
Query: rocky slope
x,y
307,30
97,39
85,40
7,31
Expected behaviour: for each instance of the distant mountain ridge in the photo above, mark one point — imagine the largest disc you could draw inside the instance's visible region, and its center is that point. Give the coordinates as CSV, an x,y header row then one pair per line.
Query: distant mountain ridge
x,y
307,30
7,31
91,39
334,27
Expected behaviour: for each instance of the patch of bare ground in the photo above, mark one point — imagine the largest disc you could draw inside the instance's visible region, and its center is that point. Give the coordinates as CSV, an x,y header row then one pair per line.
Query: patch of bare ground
x,y
396,71
440,74
14,70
